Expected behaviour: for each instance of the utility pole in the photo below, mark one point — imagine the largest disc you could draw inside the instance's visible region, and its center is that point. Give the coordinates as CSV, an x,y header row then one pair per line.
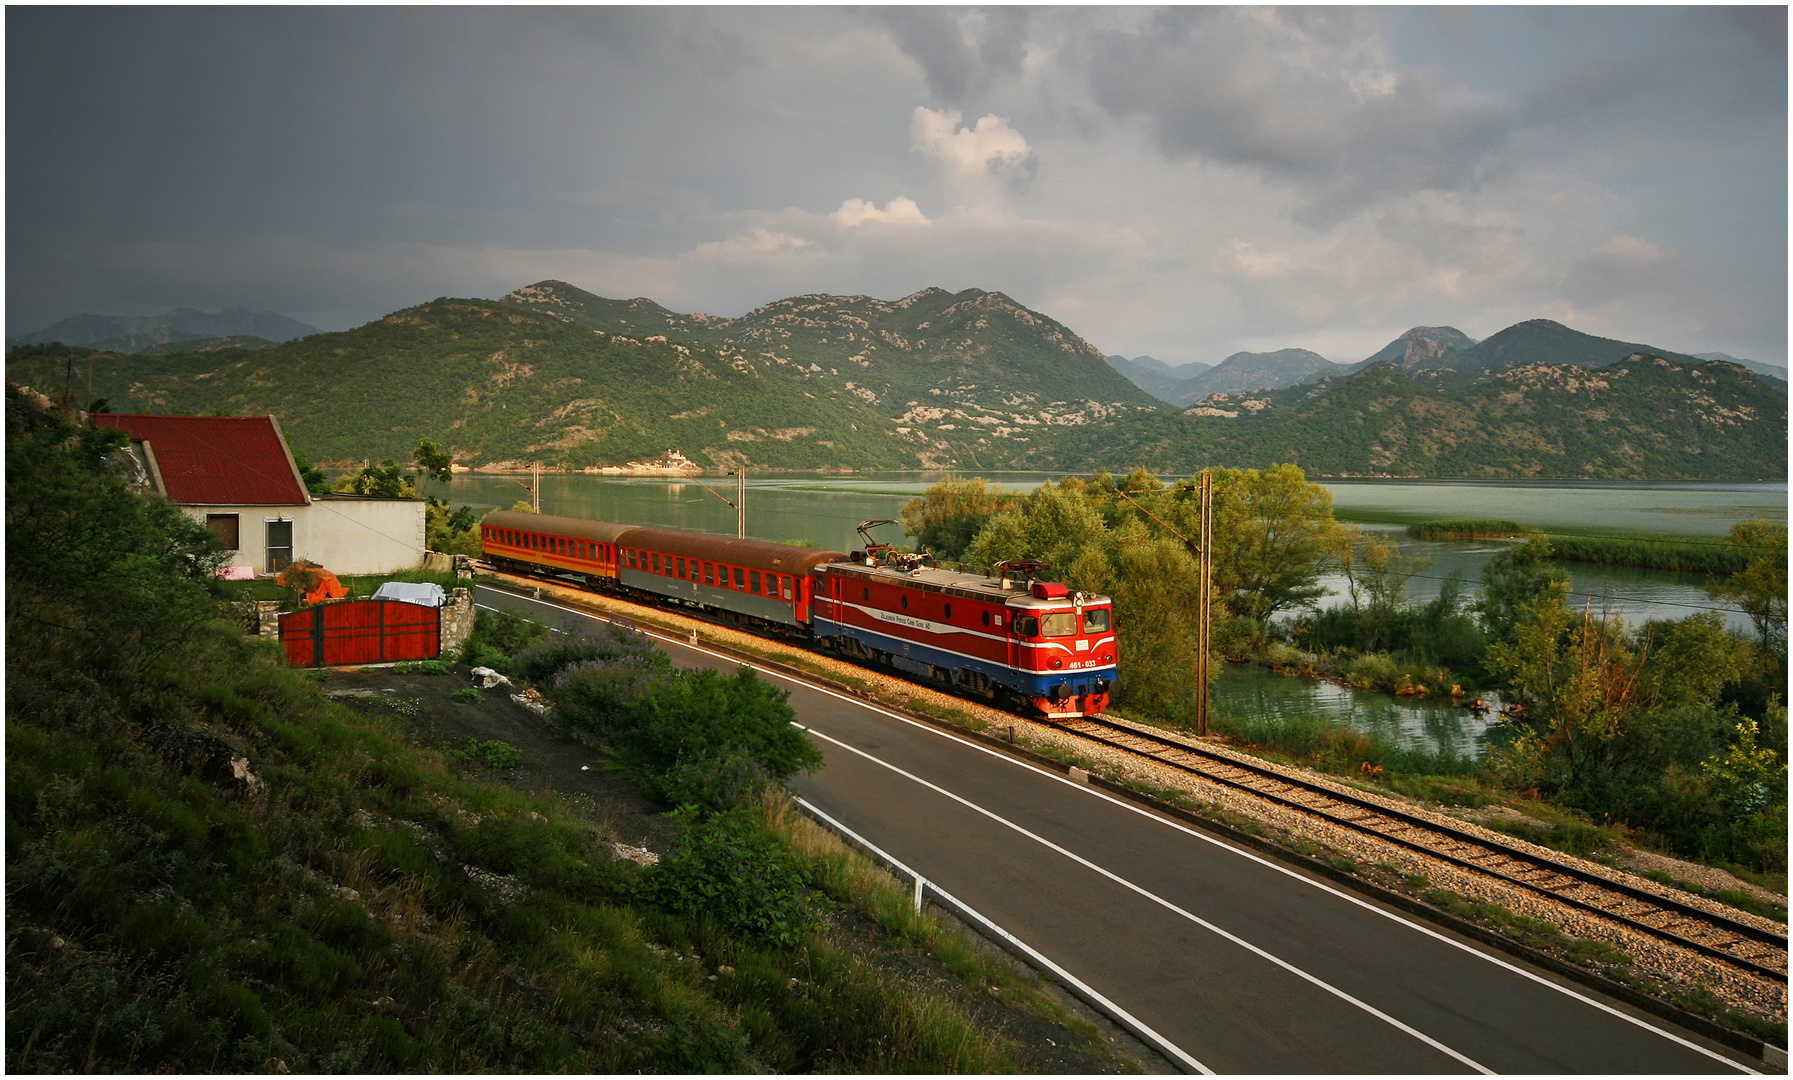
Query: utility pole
x,y
1204,636
535,486
741,503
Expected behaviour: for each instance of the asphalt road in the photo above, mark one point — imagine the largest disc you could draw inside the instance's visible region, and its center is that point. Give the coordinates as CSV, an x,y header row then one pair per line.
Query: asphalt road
x,y
1241,963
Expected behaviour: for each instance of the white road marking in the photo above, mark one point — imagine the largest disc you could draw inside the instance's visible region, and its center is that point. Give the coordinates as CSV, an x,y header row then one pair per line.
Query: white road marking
x,y
1145,812
1167,905
1120,1015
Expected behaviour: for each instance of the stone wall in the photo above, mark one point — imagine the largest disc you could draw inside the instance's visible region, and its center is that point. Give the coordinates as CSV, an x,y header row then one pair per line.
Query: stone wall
x,y
457,619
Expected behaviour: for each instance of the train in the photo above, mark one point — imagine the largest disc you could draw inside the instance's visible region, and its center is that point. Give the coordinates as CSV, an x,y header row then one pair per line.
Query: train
x,y
1014,640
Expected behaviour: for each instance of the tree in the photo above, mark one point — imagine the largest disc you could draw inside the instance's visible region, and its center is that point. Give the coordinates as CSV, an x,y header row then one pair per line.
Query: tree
x,y
433,463
947,517
1270,539
1514,584
384,481
313,477
1760,588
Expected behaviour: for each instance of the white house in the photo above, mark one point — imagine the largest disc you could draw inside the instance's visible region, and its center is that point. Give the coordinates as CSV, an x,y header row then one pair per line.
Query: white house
x,y
236,474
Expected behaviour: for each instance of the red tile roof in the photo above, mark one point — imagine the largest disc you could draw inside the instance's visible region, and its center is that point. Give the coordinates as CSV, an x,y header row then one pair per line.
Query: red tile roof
x,y
216,460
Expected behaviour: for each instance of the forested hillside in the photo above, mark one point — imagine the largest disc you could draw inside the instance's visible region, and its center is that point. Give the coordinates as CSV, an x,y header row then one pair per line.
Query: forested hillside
x,y
1644,418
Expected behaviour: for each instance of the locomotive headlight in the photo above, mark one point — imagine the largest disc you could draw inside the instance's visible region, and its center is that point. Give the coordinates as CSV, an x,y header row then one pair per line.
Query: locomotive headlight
x,y
1056,664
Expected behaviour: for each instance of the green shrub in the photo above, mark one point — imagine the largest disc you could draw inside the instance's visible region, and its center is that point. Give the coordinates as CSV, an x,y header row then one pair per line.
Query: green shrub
x,y
734,870
492,753
1372,672
423,667
553,653
701,715
596,695
468,694
722,782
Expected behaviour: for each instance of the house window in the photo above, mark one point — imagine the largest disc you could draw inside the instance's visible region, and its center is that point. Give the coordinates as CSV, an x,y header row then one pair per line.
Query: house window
x,y
280,545
224,527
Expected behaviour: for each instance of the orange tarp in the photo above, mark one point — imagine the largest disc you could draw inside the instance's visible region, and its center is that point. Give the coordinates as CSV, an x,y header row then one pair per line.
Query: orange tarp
x,y
327,587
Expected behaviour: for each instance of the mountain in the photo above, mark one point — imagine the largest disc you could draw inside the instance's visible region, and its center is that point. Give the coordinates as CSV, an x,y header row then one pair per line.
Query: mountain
x,y
972,354
555,374
1261,371
1172,389
1185,385
968,381
1644,417
1776,376
1419,347
134,333
1541,341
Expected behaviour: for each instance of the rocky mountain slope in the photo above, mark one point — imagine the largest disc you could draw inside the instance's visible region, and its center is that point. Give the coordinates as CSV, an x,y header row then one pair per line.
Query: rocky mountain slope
x,y
1419,347
556,374
969,355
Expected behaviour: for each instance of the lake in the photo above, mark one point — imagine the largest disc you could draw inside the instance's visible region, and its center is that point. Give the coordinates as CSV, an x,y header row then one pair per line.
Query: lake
x,y
825,512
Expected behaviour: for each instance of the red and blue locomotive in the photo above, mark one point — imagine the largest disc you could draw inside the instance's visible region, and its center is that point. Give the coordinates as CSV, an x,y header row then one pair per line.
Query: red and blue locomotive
x,y
1012,640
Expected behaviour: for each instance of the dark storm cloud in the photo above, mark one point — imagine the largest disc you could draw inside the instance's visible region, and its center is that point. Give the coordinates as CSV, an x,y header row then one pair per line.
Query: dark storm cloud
x,y
963,53
1300,96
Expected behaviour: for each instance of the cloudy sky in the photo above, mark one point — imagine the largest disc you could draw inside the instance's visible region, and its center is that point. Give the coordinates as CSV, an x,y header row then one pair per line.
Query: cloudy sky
x,y
1183,183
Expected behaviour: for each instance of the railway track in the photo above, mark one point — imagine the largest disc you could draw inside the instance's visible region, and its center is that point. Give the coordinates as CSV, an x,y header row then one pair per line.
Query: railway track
x,y
1743,945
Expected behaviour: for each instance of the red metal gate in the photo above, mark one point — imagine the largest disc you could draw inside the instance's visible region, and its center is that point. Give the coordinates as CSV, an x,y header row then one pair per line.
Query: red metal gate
x,y
361,632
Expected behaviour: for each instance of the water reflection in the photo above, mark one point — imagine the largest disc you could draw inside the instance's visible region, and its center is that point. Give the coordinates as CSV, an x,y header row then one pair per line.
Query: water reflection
x,y
1243,691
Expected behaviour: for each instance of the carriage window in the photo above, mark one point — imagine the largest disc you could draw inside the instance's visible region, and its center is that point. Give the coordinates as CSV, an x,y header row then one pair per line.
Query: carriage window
x,y
949,611
1027,626
905,601
656,562
986,618
868,593
787,588
681,568
753,581
1095,621
709,573
740,578
1059,623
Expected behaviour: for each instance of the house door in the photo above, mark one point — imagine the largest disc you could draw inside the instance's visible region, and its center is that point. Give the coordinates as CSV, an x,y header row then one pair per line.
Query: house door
x,y
280,545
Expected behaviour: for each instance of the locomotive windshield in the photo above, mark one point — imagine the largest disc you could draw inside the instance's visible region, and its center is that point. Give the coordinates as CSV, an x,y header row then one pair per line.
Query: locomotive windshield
x,y
1095,621
1059,624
